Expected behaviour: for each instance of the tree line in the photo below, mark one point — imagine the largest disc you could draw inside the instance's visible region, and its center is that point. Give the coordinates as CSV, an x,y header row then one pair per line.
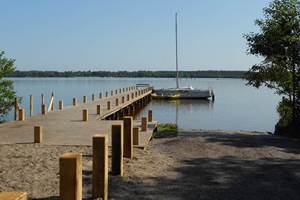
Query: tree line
x,y
133,74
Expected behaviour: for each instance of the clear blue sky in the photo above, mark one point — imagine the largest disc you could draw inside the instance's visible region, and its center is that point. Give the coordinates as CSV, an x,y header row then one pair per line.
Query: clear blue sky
x,y
128,34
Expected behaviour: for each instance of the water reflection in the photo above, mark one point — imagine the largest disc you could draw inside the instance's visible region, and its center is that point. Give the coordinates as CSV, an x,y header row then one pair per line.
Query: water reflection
x,y
179,111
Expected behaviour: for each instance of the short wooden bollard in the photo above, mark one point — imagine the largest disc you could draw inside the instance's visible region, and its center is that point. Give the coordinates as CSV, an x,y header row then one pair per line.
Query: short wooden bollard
x,y
60,105
38,134
117,101
100,95
108,105
132,95
98,109
13,196
30,105
128,138
93,97
123,99
106,94
149,115
136,136
117,149
128,97
74,102
70,179
85,115
44,109
144,123
120,90
100,167
16,107
21,114
84,99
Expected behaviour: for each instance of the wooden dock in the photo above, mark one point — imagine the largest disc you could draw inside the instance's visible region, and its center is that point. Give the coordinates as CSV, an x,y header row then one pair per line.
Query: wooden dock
x,y
67,126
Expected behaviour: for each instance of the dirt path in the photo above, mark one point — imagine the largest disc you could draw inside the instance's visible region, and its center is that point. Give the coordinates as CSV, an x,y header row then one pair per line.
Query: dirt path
x,y
214,165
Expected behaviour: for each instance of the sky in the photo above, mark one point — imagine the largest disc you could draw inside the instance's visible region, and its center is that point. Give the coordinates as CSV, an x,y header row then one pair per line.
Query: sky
x,y
128,34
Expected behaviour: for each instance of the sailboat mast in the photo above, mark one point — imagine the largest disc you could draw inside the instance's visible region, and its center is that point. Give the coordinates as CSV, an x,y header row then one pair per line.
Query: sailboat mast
x,y
177,74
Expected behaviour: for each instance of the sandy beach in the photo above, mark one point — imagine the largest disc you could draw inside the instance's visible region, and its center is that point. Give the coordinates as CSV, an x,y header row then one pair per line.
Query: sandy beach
x,y
194,165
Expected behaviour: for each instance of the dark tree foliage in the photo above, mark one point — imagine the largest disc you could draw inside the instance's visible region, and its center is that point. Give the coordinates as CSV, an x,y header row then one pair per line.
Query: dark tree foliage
x,y
278,43
7,93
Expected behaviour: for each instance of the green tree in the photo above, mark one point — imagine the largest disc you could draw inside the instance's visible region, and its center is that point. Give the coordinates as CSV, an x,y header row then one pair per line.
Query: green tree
x,y
7,93
278,44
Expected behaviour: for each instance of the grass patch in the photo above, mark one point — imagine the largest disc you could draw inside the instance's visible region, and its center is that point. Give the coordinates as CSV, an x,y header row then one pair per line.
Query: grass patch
x,y
166,131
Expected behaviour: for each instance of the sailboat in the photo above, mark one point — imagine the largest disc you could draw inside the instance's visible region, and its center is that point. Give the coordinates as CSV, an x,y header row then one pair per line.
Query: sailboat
x,y
182,92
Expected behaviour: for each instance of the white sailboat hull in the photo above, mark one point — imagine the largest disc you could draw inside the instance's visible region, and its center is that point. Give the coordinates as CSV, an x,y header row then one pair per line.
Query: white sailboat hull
x,y
183,94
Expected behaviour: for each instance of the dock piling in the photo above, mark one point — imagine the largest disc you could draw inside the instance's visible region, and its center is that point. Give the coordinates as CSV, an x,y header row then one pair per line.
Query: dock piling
x,y
144,124
98,109
30,105
85,115
70,179
149,115
61,105
117,149
74,101
100,167
128,138
21,114
38,134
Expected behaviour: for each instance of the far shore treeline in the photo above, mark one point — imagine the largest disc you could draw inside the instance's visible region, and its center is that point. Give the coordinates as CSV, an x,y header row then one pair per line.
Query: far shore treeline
x,y
133,74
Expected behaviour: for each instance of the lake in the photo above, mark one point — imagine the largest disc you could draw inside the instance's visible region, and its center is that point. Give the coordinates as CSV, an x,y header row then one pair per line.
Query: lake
x,y
236,107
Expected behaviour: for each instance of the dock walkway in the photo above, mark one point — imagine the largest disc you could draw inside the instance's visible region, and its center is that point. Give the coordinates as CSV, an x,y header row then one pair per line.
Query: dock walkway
x,y
66,127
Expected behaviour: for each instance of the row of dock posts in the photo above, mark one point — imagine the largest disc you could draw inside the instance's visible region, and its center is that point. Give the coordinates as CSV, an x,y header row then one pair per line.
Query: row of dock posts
x,y
19,113
123,137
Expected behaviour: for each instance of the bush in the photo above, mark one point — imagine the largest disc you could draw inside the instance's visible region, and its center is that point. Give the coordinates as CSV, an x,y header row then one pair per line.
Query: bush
x,y
166,131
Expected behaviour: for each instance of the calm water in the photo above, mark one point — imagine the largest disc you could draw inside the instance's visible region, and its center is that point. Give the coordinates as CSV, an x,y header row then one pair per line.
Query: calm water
x,y
237,107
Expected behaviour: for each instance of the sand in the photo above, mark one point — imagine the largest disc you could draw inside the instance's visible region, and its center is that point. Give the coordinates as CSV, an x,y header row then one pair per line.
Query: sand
x,y
194,165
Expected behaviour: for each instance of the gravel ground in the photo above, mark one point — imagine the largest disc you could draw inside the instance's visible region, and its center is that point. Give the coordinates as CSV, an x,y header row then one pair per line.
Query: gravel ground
x,y
194,165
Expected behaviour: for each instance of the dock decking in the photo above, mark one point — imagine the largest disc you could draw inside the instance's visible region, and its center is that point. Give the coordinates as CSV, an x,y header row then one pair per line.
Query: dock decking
x,y
66,127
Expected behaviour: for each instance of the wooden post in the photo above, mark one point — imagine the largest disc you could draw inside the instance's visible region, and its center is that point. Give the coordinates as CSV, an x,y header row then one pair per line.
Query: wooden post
x,y
100,95
70,179
117,101
93,97
120,91
84,99
128,97
85,115
132,95
21,114
116,91
117,149
13,196
52,105
128,138
44,109
149,115
38,134
98,109
100,167
74,102
144,123
61,105
30,105
106,94
123,89
42,101
16,107
123,99
108,105
136,136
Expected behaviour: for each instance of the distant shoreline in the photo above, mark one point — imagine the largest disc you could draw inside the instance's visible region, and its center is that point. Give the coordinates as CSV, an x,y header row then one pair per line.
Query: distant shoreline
x,y
130,74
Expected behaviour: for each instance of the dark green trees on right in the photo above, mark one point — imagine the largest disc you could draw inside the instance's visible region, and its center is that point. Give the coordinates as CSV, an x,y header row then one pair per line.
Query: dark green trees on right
x,y
278,43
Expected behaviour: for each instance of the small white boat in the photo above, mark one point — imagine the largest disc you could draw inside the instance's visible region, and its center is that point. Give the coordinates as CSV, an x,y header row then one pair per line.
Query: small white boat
x,y
182,92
